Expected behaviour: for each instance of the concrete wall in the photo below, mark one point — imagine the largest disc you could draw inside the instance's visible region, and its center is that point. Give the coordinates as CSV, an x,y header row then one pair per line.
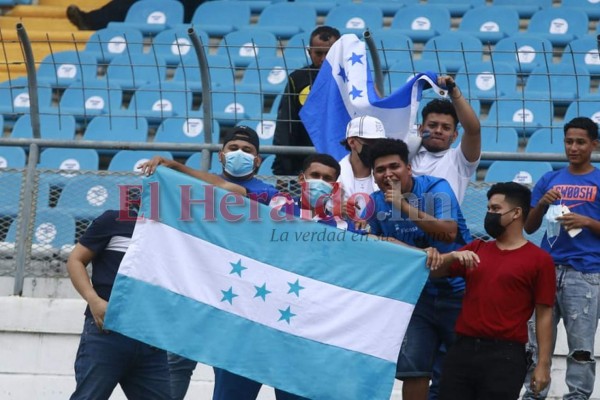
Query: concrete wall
x,y
39,335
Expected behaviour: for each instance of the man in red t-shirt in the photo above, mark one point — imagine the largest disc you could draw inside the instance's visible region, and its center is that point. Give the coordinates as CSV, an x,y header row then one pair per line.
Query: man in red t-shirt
x,y
506,280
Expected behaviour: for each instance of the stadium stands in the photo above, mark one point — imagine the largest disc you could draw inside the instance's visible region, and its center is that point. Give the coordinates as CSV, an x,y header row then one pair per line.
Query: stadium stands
x,y
218,18
355,18
422,22
152,16
12,157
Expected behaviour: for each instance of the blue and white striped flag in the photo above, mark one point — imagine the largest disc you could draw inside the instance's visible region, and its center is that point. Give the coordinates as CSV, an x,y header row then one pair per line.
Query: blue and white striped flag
x,y
344,89
297,305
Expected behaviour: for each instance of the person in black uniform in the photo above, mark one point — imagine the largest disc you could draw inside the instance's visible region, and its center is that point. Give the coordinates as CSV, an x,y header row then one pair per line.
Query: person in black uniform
x,y
289,130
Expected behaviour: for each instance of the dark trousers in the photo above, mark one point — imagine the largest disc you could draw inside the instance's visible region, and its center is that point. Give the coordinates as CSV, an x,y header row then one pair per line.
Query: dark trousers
x,y
483,369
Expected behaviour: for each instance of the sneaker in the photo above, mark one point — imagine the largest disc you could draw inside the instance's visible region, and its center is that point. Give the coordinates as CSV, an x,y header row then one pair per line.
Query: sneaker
x,y
76,16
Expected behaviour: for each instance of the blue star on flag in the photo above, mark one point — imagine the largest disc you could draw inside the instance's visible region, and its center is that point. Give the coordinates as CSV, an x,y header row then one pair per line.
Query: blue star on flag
x,y
295,287
355,92
228,295
342,73
261,291
356,58
286,315
237,268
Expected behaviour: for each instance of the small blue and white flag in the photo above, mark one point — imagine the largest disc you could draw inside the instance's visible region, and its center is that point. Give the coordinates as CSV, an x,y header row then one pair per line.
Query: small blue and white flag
x,y
344,89
297,305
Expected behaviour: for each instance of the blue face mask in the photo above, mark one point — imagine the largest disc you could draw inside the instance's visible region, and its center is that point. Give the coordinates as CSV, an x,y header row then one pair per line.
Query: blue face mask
x,y
317,188
239,163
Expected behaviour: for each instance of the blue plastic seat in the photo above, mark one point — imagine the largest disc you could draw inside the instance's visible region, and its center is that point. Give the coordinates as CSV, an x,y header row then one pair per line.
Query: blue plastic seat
x,y
269,75
296,48
583,52
152,16
271,115
285,20
14,97
323,6
458,7
392,46
266,165
108,43
390,7
453,50
422,22
524,52
195,161
116,128
525,8
588,6
256,6
52,126
89,99
558,26
63,68
355,18
129,160
12,157
519,171
130,71
490,24
525,116
230,107
505,140
158,101
586,106
218,18
70,161
245,45
185,130
187,73
561,83
10,200
402,71
264,128
487,81
547,140
173,45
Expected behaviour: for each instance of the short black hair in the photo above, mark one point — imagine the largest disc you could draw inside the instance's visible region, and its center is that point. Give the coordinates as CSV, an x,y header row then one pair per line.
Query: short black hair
x,y
515,193
325,33
584,123
440,106
388,147
324,159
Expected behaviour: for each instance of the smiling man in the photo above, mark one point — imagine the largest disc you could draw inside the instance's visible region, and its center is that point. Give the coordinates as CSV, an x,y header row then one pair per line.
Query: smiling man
x,y
568,200
436,156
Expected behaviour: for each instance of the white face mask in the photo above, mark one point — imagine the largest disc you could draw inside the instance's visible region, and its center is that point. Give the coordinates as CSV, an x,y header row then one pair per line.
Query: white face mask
x,y
552,225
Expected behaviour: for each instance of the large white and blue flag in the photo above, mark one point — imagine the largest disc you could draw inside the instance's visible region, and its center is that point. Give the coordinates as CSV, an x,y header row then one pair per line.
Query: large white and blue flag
x,y
297,305
344,89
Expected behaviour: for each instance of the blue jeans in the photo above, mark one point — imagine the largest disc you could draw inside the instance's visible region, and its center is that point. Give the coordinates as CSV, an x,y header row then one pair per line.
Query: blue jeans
x,y
105,359
180,369
577,303
229,386
431,325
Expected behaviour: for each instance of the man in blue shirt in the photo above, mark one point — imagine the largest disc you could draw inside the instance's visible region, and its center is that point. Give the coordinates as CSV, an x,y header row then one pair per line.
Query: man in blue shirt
x,y
568,200
421,212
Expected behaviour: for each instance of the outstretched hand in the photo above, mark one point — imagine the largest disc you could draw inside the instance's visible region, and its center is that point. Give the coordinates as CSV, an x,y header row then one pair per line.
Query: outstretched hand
x,y
147,168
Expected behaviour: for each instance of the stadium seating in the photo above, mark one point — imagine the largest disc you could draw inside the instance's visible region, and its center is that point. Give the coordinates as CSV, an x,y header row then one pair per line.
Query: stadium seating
x,y
256,6
587,6
108,43
390,7
547,140
525,8
558,26
526,172
85,100
393,46
70,161
487,81
12,157
130,71
323,6
560,83
245,45
187,72
52,126
230,107
490,24
268,75
457,7
524,115
586,106
583,52
266,166
185,130
130,160
505,140
66,67
355,18
118,129
194,161
400,72
157,101
453,50
218,18
265,130
173,45
285,20
295,48
14,97
152,16
422,22
524,52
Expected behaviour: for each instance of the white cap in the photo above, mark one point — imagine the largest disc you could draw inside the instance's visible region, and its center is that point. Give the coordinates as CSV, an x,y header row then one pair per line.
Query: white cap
x,y
365,127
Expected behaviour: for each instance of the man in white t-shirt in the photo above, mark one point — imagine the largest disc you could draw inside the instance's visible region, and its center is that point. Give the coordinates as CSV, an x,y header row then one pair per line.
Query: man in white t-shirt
x,y
356,176
436,157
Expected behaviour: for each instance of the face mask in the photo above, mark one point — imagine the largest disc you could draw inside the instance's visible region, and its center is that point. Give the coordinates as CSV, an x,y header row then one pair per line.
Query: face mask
x,y
552,225
365,155
239,163
492,224
317,188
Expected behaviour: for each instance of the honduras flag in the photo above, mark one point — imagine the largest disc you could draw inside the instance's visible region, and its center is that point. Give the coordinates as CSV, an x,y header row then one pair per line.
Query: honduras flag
x,y
297,305
344,89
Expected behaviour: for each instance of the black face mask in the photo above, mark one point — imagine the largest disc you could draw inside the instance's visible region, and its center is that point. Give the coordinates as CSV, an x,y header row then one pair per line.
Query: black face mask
x,y
492,224
365,155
